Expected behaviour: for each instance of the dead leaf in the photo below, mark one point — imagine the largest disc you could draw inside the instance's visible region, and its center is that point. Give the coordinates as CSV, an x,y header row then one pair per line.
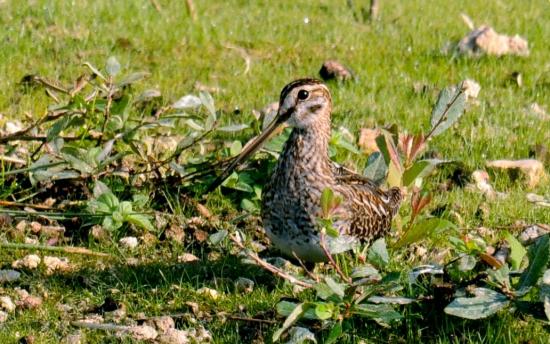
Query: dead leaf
x,y
485,40
367,140
532,169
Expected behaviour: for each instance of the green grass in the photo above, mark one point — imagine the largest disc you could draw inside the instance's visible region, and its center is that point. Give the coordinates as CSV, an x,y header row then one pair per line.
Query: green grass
x,y
54,38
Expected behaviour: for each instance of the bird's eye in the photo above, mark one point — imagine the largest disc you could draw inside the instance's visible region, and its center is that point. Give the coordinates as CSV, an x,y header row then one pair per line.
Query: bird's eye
x,y
303,94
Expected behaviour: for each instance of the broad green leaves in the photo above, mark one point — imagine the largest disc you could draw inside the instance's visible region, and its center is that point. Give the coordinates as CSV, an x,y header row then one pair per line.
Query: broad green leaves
x,y
424,229
486,302
448,109
539,254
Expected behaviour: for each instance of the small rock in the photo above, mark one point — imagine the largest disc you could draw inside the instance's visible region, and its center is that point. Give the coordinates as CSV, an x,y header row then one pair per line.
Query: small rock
x,y
174,336
129,242
531,168
332,69
30,261
21,225
7,304
3,317
36,227
143,332
538,199
99,233
9,276
532,233
538,111
73,339
187,258
481,179
175,232
54,264
162,324
244,285
367,140
13,126
471,89
208,292
485,40
29,302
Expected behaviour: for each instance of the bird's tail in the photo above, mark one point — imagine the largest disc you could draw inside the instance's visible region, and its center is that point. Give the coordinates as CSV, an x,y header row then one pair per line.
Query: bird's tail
x,y
396,196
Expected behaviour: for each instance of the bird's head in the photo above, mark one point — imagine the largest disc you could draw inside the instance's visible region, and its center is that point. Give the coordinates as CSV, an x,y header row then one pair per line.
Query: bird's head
x,y
304,104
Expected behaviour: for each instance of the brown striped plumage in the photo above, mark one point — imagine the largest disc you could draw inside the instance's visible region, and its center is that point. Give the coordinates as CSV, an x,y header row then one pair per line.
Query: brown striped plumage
x,y
291,199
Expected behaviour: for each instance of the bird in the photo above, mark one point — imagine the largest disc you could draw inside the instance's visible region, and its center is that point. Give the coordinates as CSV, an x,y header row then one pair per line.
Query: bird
x,y
291,199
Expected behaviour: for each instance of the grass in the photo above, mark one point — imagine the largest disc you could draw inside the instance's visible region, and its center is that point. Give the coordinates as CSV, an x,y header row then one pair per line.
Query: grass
x,y
54,38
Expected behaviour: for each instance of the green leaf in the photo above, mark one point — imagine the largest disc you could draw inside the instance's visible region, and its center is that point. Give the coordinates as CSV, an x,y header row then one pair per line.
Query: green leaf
x,y
112,67
233,128
383,314
249,206
394,300
187,102
517,250
141,221
193,125
217,237
376,169
77,163
538,259
443,119
424,229
57,128
326,201
94,70
364,271
291,319
300,335
133,78
334,334
236,148
208,102
323,310
419,169
336,288
485,303
378,253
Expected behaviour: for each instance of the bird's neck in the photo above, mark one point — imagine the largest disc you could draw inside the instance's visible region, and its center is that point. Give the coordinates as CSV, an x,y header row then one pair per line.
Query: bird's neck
x,y
308,148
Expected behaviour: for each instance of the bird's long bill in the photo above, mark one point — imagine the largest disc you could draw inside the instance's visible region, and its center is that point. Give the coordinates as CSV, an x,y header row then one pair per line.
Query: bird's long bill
x,y
249,149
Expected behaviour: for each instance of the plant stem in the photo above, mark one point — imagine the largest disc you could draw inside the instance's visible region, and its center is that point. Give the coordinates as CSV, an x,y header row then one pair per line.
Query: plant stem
x,y
331,260
273,269
64,249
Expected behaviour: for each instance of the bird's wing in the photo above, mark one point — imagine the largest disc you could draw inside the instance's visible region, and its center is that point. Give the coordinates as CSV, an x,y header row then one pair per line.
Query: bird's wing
x,y
370,208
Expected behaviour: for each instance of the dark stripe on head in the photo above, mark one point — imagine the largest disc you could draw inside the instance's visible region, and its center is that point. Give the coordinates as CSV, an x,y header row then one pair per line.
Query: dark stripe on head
x,y
297,83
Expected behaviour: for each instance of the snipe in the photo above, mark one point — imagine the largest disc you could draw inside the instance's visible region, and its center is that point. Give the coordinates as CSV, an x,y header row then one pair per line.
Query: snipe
x,y
291,199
